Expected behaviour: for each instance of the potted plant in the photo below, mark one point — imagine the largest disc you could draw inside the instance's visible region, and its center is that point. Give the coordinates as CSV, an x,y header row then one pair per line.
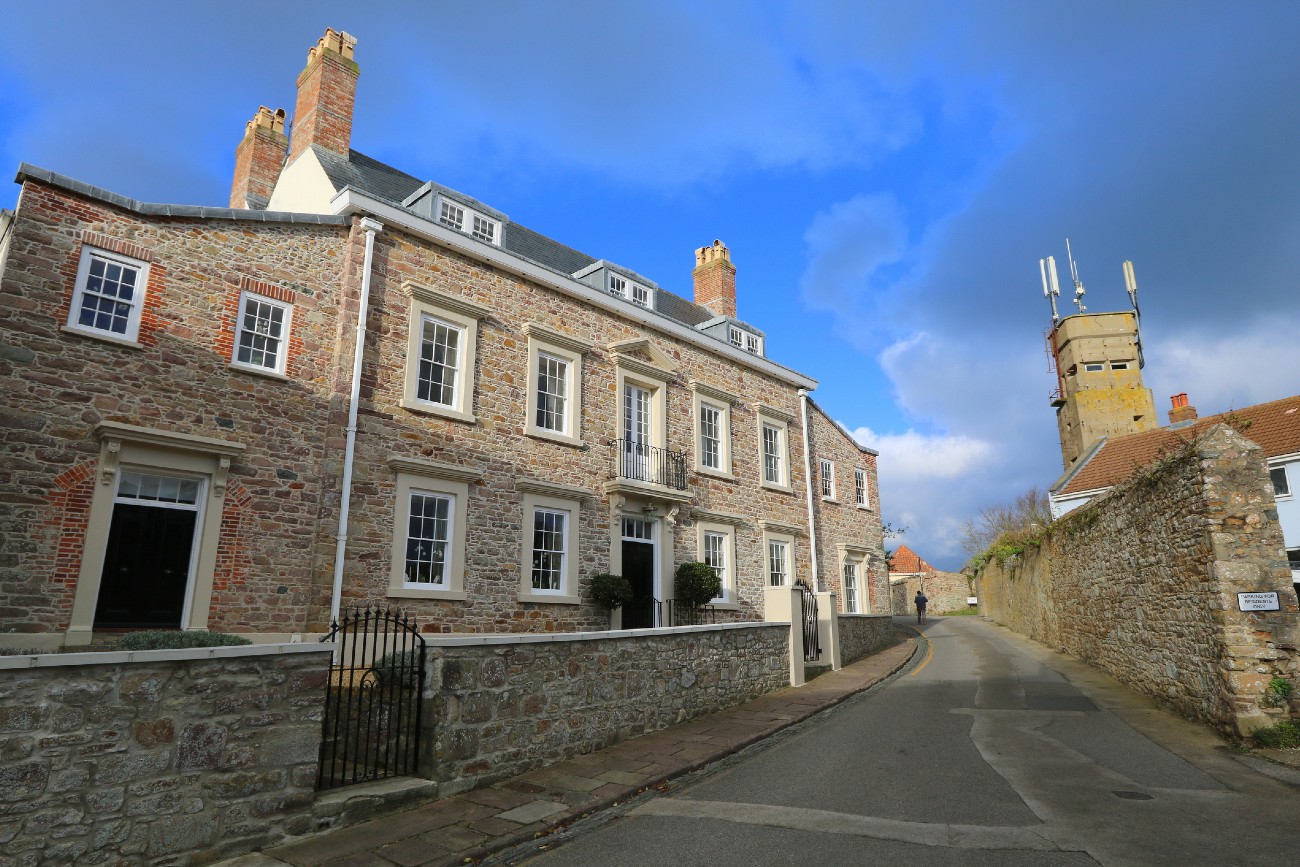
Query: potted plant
x,y
696,583
611,591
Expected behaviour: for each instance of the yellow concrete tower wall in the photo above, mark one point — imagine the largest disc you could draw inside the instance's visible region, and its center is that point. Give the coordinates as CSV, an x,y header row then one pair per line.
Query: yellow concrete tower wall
x,y
1101,381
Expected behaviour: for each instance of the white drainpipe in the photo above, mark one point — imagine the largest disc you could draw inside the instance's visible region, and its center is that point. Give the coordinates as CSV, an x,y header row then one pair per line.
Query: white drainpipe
x,y
808,481
370,226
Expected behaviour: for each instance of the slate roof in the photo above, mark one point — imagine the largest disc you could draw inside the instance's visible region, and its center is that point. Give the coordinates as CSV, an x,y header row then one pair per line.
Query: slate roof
x,y
1274,426
374,178
159,209
906,561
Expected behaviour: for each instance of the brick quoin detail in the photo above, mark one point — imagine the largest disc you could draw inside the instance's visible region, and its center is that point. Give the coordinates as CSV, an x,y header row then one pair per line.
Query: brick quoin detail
x,y
151,325
69,513
225,338
233,563
113,245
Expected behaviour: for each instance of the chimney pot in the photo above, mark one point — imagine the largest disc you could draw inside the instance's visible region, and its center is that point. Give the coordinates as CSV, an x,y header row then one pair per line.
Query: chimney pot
x,y
1180,409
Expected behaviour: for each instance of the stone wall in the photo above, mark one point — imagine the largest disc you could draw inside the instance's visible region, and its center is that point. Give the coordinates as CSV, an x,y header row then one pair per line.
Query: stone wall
x,y
863,634
178,757
947,591
1142,583
502,705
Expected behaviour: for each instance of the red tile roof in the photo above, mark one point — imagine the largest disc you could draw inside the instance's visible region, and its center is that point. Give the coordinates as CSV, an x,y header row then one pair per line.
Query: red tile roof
x,y
905,560
1275,427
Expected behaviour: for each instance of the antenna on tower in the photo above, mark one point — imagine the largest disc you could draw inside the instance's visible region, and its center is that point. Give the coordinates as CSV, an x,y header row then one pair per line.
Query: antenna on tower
x,y
1131,284
1079,291
1051,289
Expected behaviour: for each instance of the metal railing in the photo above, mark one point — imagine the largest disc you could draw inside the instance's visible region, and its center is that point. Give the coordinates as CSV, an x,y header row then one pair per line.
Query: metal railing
x,y
643,463
655,613
812,650
371,728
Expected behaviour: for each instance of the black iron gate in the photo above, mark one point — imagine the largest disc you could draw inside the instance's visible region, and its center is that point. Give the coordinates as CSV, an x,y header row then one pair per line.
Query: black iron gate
x,y
371,729
812,650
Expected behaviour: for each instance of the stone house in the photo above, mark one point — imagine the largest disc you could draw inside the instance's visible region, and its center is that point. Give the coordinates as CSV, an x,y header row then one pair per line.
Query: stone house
x,y
1273,426
909,572
357,387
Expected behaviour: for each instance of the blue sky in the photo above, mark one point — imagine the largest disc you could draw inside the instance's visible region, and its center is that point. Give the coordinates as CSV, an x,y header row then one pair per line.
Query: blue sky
x,y
887,176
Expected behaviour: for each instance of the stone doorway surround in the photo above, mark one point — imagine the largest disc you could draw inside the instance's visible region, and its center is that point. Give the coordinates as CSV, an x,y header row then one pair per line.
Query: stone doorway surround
x,y
161,451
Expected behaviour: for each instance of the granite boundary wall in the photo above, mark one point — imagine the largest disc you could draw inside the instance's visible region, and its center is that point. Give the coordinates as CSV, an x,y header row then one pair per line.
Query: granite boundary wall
x,y
501,705
1142,583
863,634
947,591
176,757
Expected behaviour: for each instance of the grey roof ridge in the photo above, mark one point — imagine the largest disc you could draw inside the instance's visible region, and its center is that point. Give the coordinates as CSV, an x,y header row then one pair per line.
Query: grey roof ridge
x,y
815,405
1068,476
28,171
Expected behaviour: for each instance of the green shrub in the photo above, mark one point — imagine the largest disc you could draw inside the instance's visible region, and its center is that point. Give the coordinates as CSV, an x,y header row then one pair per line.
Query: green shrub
x,y
171,639
401,669
1279,691
696,583
611,591
1284,735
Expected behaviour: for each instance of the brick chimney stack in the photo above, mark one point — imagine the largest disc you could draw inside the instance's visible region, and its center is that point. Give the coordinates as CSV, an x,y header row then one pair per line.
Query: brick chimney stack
x,y
259,157
1181,409
715,280
327,91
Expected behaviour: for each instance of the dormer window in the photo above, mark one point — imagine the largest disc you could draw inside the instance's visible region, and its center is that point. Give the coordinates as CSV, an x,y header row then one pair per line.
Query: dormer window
x,y
484,229
462,219
621,287
452,216
742,339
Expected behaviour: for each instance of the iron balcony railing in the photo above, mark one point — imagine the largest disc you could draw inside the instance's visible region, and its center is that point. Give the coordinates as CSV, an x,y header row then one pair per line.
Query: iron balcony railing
x,y
643,463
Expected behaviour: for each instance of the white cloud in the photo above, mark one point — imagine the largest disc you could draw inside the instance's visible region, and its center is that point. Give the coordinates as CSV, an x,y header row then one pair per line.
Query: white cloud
x,y
914,456
848,244
1225,371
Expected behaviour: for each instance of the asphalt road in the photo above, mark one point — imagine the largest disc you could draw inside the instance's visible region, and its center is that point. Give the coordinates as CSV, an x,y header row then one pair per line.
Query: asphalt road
x,y
987,750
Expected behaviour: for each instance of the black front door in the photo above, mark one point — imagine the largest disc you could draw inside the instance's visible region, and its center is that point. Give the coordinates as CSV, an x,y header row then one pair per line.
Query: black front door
x,y
146,568
639,570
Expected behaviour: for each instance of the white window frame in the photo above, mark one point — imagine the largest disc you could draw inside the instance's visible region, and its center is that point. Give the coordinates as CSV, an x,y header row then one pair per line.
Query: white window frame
x,y
282,357
1093,366
857,556
616,284
456,312
567,593
787,541
721,402
826,478
736,337
850,577
131,335
468,221
727,532
1289,493
423,482
861,488
542,342
768,418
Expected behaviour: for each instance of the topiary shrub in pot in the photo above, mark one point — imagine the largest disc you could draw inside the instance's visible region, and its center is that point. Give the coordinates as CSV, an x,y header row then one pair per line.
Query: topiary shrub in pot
x,y
696,583
612,591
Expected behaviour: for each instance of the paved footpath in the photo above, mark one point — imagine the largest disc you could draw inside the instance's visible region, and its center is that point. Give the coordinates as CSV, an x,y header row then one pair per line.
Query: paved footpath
x,y
472,825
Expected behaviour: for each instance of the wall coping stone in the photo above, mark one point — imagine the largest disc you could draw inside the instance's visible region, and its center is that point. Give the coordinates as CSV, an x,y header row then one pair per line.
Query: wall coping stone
x,y
486,638
117,657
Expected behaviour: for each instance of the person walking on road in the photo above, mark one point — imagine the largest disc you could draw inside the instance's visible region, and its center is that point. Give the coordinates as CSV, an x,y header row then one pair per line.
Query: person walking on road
x,y
921,601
